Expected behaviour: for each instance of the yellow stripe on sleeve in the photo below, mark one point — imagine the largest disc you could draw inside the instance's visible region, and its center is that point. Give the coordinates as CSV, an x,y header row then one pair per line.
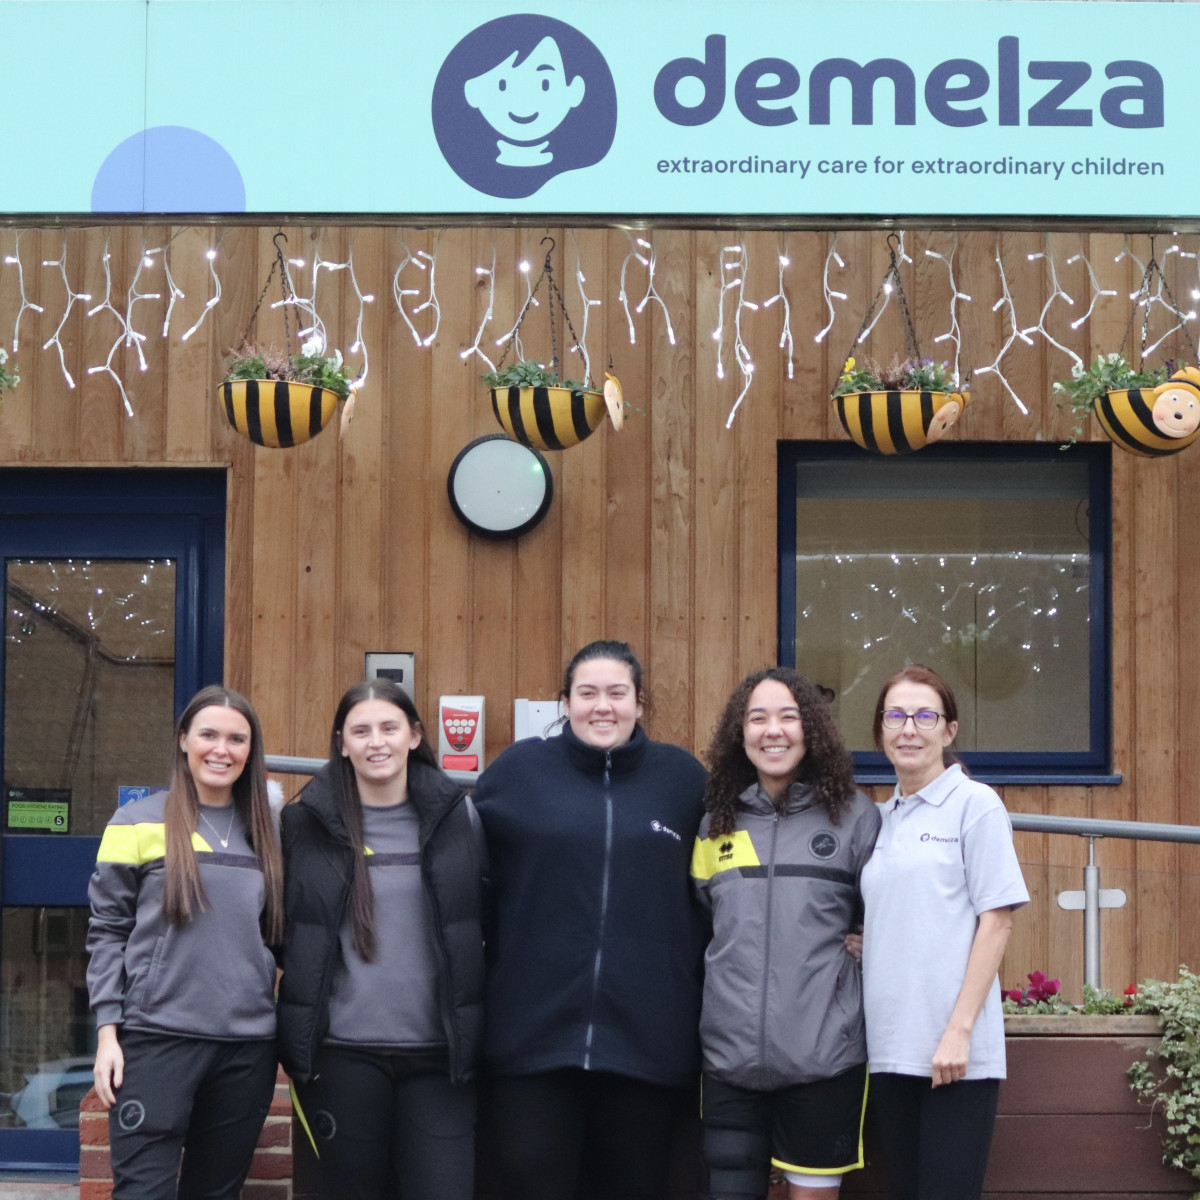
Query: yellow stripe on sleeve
x,y
713,855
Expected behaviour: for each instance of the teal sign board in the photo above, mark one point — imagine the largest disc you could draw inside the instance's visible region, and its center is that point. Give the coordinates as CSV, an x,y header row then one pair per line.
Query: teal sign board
x,y
667,106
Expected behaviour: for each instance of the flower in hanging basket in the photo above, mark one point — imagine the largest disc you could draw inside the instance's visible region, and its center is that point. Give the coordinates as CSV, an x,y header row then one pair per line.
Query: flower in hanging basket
x,y
276,400
536,409
900,407
1152,412
8,375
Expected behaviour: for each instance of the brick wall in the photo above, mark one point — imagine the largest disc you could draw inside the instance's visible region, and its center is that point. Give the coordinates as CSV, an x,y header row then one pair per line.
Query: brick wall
x,y
270,1174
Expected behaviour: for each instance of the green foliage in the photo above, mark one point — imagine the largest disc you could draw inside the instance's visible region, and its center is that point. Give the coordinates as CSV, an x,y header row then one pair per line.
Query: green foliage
x,y
530,374
923,375
1108,373
1177,1090
1100,1002
311,369
8,375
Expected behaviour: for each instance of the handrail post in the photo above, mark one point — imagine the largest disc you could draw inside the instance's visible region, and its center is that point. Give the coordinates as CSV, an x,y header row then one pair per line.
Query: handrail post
x,y
1091,918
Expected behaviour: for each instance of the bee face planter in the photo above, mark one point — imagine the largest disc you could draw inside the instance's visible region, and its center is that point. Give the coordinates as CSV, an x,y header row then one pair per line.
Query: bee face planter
x,y
1153,422
272,413
547,418
898,422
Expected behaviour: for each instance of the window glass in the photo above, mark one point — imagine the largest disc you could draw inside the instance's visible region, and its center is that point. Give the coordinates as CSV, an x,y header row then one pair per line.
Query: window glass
x,y
976,561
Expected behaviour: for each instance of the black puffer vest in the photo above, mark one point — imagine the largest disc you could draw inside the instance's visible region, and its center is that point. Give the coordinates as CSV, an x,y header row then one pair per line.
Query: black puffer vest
x,y
318,861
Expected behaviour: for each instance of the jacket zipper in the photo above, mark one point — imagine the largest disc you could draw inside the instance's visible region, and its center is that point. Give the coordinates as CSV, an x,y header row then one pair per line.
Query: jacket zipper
x,y
762,1013
608,840
445,983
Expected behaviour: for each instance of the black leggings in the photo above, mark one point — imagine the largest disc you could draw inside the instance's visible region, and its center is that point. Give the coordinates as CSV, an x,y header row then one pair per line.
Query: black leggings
x,y
934,1141
389,1124
203,1099
554,1130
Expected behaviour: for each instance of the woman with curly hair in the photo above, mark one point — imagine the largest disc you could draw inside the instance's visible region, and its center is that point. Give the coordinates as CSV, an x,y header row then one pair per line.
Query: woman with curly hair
x,y
777,861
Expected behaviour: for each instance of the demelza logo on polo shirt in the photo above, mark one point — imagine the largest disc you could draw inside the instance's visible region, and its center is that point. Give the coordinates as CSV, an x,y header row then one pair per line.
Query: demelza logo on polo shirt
x,y
933,837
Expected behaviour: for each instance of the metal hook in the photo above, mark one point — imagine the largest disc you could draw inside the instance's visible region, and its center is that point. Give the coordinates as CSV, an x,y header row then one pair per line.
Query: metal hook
x,y
276,238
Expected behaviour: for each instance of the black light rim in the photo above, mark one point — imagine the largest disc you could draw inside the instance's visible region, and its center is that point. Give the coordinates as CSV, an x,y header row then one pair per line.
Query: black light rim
x,y
500,534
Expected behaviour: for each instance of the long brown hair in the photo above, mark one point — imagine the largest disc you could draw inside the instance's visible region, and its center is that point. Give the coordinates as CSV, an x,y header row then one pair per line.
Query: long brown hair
x,y
916,673
346,799
183,892
826,763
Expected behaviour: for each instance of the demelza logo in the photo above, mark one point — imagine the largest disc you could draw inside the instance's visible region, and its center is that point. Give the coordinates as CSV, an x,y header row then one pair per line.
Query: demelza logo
x,y
521,99
692,91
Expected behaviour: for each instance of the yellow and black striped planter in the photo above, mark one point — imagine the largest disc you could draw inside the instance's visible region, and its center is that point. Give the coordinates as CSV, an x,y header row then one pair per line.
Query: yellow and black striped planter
x,y
547,418
1127,416
273,413
898,422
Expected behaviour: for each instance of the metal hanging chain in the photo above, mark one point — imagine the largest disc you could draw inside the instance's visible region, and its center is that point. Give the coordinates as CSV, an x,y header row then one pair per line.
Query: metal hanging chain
x,y
556,297
892,276
286,288
1142,297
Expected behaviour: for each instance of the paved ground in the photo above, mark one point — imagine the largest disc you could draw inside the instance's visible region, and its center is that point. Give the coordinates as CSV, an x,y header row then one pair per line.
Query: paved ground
x,y
38,1185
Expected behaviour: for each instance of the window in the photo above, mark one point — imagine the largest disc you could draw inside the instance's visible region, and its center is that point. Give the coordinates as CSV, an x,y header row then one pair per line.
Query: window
x,y
987,562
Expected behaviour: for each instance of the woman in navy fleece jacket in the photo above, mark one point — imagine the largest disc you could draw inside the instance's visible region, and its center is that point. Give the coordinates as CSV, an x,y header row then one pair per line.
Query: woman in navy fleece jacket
x,y
593,994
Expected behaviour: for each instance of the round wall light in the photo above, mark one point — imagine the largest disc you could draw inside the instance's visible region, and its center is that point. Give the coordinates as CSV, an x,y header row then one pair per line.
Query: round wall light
x,y
499,488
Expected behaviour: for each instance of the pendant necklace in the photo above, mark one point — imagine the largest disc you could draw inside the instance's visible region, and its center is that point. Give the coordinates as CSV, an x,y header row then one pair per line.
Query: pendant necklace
x,y
228,832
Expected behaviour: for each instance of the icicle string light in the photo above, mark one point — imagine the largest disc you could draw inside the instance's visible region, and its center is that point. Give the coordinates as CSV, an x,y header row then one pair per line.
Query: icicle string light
x,y
829,293
531,301
72,296
132,337
174,293
954,333
623,293
785,336
431,301
122,337
14,259
1056,290
741,354
487,316
359,345
650,259
1014,326
888,289
1093,282
581,346
211,257
1161,296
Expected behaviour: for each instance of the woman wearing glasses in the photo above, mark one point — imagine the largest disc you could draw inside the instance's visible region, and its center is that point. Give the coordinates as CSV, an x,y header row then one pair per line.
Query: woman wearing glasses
x,y
939,892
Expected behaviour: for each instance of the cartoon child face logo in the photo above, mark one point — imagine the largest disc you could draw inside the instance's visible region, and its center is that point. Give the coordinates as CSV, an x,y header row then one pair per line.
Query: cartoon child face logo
x,y
520,100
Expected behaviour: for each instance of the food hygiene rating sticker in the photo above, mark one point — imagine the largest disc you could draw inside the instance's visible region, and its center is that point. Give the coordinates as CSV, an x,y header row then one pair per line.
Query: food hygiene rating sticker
x,y
47,810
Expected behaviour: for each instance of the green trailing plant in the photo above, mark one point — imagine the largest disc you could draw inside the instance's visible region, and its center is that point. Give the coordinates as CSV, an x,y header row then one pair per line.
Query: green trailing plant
x,y
8,374
1176,1090
1107,373
315,370
530,374
911,375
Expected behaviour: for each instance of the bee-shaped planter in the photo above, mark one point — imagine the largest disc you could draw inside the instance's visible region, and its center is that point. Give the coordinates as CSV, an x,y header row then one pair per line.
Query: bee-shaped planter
x,y
548,418
898,422
1153,422
273,413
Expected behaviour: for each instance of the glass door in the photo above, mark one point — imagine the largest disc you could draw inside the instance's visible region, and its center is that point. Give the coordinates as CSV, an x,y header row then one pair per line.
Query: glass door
x,y
111,622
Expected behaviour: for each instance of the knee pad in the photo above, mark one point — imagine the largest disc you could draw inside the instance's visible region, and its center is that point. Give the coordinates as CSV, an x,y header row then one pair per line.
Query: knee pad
x,y
738,1161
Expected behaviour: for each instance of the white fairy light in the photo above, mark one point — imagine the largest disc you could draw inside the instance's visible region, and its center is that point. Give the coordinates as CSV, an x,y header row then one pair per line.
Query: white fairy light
x,y
580,347
887,293
741,353
72,296
487,316
785,336
364,298
954,333
122,336
14,259
830,294
650,259
1094,283
1056,290
623,293
315,331
132,337
173,290
430,302
531,301
1015,332
211,257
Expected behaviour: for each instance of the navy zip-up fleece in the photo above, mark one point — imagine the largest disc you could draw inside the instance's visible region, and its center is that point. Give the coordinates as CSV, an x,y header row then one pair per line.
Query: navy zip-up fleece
x,y
596,957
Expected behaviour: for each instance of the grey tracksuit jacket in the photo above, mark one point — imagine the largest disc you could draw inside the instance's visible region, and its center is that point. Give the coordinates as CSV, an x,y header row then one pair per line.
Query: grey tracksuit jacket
x,y
782,997
211,978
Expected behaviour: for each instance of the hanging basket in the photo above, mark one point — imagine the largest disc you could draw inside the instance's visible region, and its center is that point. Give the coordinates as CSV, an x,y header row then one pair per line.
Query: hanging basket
x,y
898,422
548,418
272,413
1153,422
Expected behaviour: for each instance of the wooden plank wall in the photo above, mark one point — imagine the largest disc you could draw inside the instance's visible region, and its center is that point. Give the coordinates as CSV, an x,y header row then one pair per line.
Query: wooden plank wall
x,y
664,535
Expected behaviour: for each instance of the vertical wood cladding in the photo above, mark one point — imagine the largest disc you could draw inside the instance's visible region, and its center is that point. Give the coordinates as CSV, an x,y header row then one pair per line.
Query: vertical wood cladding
x,y
664,534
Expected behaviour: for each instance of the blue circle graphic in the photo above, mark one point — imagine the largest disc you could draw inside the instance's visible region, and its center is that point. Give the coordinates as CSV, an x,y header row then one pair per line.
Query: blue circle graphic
x,y
520,100
169,169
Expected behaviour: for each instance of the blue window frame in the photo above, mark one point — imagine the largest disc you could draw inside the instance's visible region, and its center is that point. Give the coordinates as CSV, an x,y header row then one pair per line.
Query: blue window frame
x,y
988,562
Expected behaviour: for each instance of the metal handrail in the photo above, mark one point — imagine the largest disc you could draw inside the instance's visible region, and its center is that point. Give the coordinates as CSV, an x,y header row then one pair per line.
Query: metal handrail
x,y
1148,831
